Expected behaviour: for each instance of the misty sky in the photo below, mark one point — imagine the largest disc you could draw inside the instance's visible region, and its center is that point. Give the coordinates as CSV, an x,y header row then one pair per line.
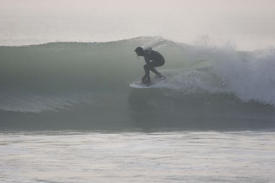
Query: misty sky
x,y
248,24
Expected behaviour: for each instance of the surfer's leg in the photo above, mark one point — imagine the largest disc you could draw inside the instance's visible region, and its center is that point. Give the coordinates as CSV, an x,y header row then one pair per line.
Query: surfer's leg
x,y
146,77
153,69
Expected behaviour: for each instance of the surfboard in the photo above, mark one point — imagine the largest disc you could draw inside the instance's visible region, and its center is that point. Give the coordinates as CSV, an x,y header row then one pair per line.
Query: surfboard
x,y
139,84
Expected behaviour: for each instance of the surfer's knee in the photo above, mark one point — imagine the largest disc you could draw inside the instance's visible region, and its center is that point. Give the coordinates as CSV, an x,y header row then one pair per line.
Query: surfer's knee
x,y
146,67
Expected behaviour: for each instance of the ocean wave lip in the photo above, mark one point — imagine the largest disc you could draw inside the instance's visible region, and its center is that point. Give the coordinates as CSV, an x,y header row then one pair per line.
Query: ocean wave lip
x,y
67,82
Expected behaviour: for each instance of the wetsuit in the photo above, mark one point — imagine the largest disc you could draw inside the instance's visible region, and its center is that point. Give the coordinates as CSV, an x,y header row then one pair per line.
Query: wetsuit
x,y
153,59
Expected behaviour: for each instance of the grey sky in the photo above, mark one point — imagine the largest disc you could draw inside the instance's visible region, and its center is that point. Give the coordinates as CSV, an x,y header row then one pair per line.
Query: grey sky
x,y
248,23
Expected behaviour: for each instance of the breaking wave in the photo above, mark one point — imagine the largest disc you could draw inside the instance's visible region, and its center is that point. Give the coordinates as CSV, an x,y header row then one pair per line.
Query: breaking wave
x,y
91,81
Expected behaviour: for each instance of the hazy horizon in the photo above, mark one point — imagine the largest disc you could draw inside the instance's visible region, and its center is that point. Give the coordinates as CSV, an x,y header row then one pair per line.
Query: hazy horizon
x,y
246,24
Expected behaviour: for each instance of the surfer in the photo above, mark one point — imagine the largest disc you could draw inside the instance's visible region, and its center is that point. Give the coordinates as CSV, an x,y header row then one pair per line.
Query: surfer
x,y
153,59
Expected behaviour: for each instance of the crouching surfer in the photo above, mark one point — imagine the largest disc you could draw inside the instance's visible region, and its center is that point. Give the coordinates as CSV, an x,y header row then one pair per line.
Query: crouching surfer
x,y
153,59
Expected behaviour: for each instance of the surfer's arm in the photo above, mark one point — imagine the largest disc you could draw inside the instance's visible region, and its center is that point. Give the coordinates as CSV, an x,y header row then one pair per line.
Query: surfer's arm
x,y
147,60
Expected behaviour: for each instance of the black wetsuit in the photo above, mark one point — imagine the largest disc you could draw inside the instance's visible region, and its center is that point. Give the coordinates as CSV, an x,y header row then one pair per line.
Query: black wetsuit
x,y
153,59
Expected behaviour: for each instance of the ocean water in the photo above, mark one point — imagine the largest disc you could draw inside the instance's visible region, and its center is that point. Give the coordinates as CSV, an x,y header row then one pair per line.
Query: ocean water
x,y
199,157
67,114
75,86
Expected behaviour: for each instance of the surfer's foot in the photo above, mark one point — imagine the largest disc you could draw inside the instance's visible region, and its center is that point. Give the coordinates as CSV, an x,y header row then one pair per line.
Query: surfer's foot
x,y
146,81
160,77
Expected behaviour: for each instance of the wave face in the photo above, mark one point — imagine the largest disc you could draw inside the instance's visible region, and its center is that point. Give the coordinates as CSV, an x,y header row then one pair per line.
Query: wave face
x,y
86,86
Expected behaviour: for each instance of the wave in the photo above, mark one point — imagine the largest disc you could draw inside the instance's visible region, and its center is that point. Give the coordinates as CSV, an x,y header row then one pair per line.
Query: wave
x,y
92,80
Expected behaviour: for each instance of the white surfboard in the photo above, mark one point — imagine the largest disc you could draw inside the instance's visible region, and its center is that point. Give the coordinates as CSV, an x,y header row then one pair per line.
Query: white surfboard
x,y
152,84
139,84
